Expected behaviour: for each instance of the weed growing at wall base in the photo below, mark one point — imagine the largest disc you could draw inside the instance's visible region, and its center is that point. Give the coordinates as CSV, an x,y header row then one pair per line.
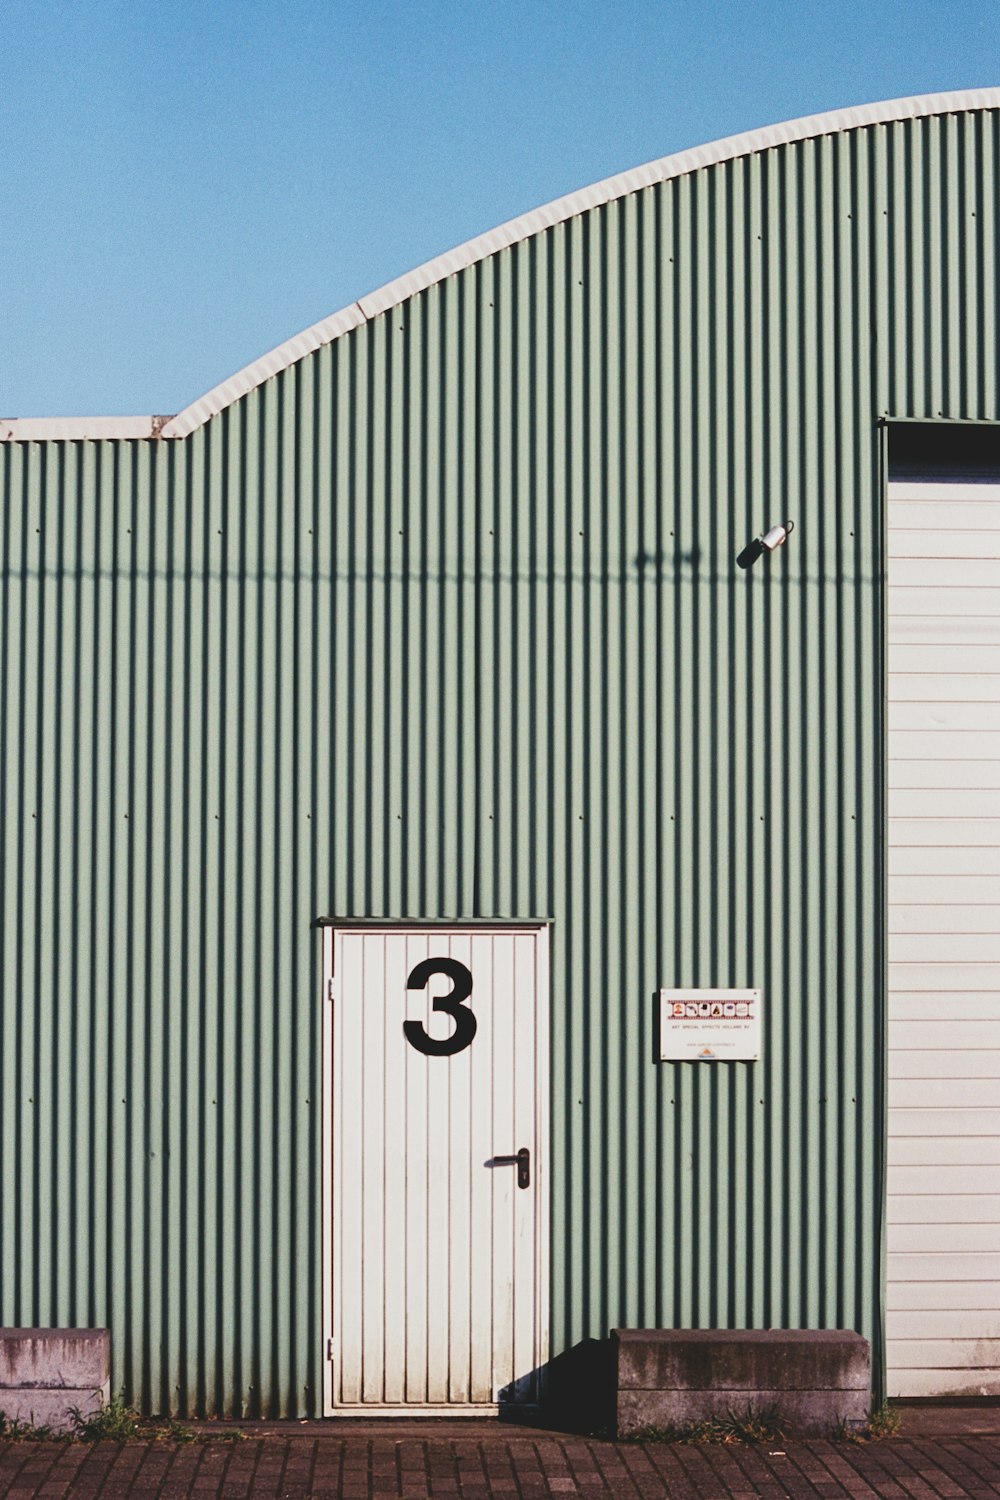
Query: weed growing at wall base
x,y
12,1430
117,1422
752,1425
883,1422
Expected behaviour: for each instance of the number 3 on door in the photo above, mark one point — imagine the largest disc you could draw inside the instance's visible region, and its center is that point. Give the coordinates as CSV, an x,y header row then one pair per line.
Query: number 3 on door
x,y
452,1004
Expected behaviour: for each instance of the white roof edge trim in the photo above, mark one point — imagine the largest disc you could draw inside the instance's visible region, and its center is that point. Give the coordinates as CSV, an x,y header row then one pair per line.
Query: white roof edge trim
x,y
78,429
521,228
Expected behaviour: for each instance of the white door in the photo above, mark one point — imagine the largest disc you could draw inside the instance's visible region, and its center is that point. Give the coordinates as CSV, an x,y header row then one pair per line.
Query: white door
x,y
943,1205
437,1202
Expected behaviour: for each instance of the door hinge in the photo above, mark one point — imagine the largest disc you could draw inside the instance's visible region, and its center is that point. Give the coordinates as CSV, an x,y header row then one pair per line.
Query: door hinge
x,y
331,988
329,1348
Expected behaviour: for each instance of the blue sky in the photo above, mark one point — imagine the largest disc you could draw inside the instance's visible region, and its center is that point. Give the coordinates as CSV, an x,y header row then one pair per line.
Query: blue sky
x,y
186,185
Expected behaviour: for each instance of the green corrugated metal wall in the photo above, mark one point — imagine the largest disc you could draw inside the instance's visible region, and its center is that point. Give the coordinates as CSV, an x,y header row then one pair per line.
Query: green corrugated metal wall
x,y
444,621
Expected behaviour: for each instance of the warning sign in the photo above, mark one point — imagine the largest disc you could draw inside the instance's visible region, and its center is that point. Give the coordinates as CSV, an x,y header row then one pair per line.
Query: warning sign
x,y
710,1025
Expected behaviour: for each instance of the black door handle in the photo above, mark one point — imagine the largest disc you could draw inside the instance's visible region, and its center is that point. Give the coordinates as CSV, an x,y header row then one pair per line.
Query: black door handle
x,y
522,1161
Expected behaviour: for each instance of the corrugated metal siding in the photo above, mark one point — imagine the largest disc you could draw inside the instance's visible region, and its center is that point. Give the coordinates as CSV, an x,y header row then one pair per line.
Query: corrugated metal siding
x,y
444,621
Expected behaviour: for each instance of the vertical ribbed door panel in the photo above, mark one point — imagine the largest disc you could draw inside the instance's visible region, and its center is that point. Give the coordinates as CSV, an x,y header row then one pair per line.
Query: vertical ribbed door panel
x,y
437,1249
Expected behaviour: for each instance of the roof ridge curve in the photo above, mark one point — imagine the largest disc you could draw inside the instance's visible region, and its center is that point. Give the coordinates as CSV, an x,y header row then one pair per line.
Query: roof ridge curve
x,y
663,169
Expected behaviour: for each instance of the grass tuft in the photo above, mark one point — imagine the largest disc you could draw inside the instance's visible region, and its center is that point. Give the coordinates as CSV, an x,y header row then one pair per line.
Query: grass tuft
x,y
115,1421
13,1430
883,1422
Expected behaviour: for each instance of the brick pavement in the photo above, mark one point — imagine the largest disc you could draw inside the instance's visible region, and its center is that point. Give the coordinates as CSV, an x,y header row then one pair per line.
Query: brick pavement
x,y
493,1462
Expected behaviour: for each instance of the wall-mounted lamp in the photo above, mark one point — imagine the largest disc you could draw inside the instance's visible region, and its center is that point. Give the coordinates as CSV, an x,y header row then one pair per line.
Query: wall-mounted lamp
x,y
768,541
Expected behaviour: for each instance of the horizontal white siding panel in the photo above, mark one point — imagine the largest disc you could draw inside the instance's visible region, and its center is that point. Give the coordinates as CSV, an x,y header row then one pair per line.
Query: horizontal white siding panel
x,y
942,603
949,1382
946,1179
963,1157
946,1035
973,745
961,546
962,978
955,1384
965,1296
946,492
922,846
931,1266
961,515
953,803
959,1061
944,1323
942,572
943,687
969,661
944,947
937,1354
954,774
922,859
943,1122
943,1208
936,890
944,918
926,630
952,833
944,718
933,1005
941,1093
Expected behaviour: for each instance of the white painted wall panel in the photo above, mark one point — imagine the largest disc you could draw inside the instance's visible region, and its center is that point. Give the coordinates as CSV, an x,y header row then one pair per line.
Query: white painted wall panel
x,y
938,492
963,1061
980,776
959,1382
949,888
945,859
973,1269
944,918
980,1179
955,717
943,1189
943,572
963,1158
939,1093
928,629
961,545
950,1239
965,1296
954,803
922,1184
927,518
940,1038
925,1207
965,1323
944,947
912,978
971,661
942,602
946,1354
947,744
944,1122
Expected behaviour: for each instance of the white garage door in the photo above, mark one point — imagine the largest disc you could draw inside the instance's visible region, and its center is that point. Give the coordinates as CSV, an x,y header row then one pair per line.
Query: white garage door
x,y
437,1218
943,1292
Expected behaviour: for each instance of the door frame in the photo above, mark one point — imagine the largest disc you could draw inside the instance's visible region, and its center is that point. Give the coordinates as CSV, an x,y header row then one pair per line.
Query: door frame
x,y
331,928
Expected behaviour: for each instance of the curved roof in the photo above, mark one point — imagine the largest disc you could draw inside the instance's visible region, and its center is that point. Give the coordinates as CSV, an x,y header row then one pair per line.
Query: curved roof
x,y
484,245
